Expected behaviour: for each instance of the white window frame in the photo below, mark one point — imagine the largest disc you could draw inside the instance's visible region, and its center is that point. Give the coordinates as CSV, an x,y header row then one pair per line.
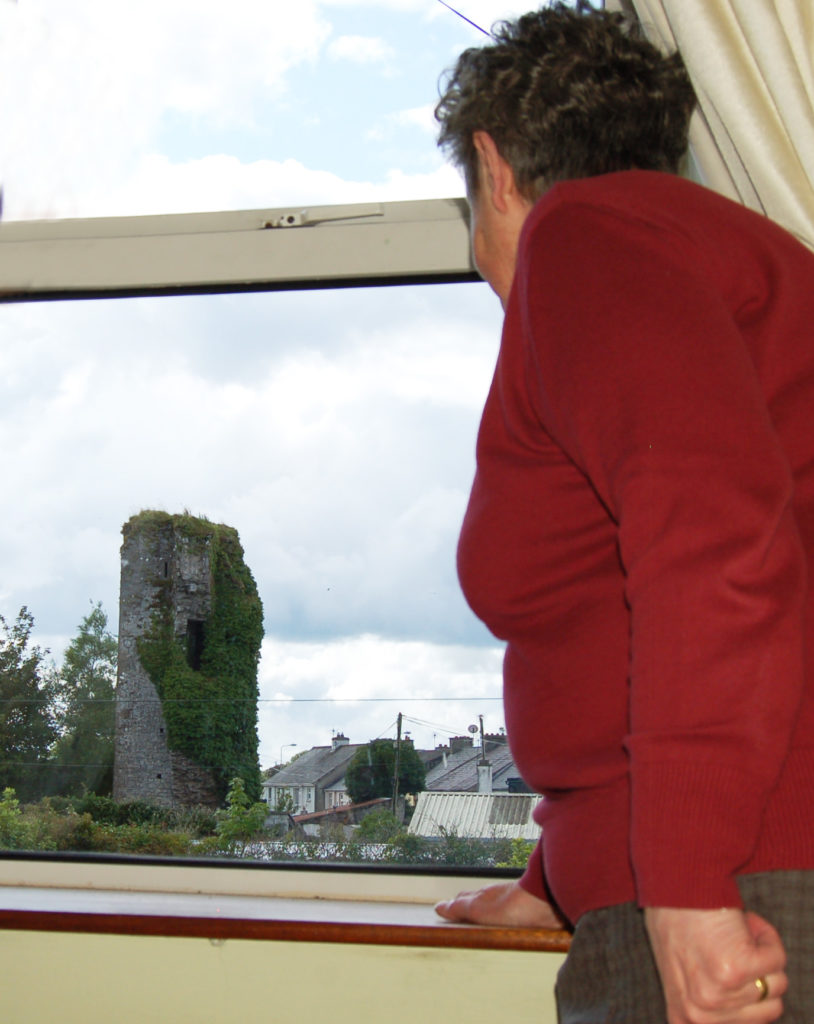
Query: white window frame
x,y
420,241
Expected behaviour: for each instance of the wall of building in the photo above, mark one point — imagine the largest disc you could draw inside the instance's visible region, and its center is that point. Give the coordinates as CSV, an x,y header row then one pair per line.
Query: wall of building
x,y
95,979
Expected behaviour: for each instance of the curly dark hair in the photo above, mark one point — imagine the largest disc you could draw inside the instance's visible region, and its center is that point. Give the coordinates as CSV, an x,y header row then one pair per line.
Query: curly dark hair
x,y
567,92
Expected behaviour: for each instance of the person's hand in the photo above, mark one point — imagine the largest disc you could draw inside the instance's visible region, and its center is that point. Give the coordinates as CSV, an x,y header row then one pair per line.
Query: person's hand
x,y
709,962
503,904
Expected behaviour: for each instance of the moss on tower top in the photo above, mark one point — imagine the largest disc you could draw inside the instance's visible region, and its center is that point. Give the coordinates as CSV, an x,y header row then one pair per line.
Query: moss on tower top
x,y
184,524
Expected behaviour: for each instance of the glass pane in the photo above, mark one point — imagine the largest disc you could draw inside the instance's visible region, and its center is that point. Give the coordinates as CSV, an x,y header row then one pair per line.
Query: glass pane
x,y
176,106
334,431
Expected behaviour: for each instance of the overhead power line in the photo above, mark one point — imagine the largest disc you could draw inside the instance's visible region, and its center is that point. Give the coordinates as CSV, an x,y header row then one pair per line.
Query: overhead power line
x,y
259,700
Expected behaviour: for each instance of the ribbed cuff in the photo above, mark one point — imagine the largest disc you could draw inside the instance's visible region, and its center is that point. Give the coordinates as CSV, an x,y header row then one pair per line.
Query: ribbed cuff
x,y
694,826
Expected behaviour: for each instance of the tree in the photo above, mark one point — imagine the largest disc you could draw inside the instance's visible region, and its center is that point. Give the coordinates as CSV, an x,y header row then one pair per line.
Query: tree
x,y
87,681
284,803
27,709
370,772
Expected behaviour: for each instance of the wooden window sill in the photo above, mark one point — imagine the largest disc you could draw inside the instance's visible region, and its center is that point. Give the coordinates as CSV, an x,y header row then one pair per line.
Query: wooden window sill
x,y
220,917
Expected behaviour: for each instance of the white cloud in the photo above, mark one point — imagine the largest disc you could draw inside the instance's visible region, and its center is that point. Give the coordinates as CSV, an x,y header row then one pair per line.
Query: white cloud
x,y
344,517
85,86
380,5
482,12
358,686
336,443
89,91
157,185
335,431
360,49
422,117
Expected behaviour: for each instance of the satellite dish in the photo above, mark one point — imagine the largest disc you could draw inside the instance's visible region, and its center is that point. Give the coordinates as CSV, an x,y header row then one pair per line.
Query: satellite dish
x,y
473,729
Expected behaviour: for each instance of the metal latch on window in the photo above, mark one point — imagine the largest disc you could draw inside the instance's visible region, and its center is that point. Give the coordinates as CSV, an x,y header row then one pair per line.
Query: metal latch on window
x,y
321,215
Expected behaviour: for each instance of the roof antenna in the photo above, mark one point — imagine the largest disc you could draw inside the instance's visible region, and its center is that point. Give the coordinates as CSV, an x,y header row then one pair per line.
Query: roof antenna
x,y
469,21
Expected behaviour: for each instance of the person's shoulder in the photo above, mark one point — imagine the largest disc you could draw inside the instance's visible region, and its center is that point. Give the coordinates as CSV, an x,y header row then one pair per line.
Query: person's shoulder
x,y
653,197
634,208
664,215
660,205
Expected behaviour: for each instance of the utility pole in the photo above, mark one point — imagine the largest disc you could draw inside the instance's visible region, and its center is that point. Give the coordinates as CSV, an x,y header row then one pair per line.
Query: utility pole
x,y
396,764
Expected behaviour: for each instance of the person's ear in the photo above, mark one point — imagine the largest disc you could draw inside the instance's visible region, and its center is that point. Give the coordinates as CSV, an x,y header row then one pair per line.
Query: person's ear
x,y
495,175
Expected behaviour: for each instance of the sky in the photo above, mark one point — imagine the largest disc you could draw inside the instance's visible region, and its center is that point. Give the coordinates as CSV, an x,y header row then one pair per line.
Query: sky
x,y
334,430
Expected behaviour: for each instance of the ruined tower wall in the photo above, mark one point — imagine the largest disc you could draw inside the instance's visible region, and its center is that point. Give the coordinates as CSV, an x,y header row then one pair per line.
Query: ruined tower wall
x,y
159,563
142,767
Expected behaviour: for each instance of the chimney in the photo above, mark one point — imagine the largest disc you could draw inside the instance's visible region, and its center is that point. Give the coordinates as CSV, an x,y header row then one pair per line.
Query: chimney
x,y
484,777
458,743
340,740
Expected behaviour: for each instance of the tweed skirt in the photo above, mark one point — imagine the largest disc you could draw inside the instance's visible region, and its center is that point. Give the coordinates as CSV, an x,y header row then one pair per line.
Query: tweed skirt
x,y
610,977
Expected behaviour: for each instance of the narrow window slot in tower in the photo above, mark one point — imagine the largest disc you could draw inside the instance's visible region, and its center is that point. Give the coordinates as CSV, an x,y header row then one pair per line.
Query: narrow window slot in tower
x,y
195,642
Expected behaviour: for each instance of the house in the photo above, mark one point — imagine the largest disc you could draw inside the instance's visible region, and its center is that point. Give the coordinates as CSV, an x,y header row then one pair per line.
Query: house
x,y
336,795
463,768
475,791
315,780
309,783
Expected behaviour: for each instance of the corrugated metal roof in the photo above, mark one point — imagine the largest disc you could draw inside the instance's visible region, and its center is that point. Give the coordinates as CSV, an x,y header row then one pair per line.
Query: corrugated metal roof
x,y
476,815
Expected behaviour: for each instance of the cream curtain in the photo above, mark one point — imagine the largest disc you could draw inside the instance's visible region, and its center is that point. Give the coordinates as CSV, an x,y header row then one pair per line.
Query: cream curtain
x,y
752,64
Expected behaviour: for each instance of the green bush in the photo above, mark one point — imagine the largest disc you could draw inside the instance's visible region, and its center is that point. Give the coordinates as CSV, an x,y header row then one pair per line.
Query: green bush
x,y
197,821
410,849
94,823
16,831
142,839
380,826
99,808
519,852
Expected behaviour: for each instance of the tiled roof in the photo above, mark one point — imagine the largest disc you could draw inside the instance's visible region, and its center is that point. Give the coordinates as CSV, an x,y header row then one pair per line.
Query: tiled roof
x,y
476,815
326,767
460,774
316,764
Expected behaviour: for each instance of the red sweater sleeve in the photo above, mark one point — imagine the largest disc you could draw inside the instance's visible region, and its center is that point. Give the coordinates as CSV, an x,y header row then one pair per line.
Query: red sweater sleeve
x,y
642,375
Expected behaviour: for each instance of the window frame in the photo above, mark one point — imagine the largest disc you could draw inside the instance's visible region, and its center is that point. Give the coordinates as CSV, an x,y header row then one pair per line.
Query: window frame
x,y
290,248
357,245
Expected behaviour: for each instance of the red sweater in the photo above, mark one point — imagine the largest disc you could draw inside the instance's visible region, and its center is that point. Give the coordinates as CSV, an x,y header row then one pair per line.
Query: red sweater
x,y
640,532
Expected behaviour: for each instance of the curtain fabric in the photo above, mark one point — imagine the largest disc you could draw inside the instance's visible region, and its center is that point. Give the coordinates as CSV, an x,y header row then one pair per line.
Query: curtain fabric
x,y
752,65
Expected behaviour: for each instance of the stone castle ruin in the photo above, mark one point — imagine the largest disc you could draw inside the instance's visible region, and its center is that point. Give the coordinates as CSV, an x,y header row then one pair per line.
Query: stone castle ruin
x,y
190,628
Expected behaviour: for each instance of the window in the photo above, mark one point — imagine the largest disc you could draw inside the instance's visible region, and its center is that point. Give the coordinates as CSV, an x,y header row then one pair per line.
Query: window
x,y
195,643
221,400
334,429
